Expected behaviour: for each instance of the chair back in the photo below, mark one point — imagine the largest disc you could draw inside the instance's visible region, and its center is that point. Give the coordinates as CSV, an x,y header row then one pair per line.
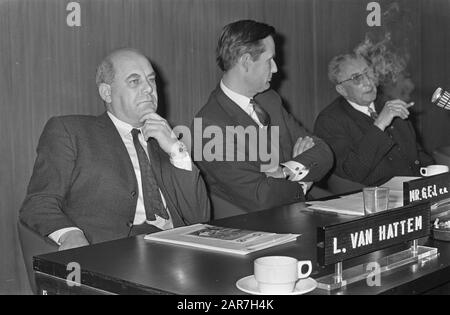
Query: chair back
x,y
33,244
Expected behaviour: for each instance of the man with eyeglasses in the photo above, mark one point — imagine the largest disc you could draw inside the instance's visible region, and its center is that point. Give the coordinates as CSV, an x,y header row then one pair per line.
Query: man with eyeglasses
x,y
372,142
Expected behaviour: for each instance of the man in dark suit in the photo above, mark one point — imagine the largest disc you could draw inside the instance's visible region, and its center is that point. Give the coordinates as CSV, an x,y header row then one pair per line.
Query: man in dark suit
x,y
97,178
246,54
372,142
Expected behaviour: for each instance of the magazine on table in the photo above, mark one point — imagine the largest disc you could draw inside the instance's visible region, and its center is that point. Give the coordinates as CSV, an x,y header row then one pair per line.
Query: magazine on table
x,y
222,239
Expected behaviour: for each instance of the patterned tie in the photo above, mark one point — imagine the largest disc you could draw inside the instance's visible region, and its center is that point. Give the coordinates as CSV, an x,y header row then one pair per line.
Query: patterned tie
x,y
372,113
152,198
263,116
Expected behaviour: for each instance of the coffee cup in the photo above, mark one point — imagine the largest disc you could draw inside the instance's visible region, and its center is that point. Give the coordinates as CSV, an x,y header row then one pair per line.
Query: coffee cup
x,y
279,274
431,170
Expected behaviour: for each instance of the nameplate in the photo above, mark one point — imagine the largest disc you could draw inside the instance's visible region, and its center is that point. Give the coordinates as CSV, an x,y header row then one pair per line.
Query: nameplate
x,y
339,242
432,189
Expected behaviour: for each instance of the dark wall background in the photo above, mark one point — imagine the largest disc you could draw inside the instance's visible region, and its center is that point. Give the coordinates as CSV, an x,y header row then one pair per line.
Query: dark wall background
x,y
48,68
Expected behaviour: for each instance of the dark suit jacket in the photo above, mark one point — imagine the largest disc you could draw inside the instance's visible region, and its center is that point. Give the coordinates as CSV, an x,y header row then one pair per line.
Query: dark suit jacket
x,y
83,177
239,186
364,153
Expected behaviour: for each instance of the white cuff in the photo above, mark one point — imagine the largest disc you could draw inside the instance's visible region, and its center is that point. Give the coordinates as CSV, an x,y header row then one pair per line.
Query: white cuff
x,y
304,187
179,156
298,169
55,236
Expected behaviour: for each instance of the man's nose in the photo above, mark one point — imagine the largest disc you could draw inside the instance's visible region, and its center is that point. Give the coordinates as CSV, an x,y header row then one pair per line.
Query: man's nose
x,y
147,87
367,81
274,68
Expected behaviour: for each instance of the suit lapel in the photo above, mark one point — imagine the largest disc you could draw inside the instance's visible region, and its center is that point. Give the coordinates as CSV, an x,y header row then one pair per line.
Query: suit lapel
x,y
236,113
400,133
362,120
239,117
113,144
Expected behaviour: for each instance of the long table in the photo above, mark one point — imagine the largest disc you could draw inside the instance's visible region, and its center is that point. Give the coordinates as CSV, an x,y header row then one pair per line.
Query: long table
x,y
137,266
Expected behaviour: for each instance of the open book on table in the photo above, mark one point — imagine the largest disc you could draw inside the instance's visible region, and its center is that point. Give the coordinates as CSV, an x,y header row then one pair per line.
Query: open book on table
x,y
216,238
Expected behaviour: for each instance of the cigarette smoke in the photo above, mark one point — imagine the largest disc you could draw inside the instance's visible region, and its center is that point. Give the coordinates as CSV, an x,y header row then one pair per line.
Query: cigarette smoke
x,y
386,50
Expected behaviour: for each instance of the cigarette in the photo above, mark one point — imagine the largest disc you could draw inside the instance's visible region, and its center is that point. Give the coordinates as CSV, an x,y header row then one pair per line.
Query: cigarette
x,y
410,104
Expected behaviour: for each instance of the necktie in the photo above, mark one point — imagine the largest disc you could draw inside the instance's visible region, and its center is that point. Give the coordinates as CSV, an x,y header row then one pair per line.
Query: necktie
x,y
263,116
372,113
150,192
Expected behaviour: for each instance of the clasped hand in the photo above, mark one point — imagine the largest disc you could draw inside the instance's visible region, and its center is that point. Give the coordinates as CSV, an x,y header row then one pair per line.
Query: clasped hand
x,y
157,127
301,145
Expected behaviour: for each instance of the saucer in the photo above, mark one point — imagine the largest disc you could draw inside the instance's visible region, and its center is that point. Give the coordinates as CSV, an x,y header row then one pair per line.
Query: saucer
x,y
249,285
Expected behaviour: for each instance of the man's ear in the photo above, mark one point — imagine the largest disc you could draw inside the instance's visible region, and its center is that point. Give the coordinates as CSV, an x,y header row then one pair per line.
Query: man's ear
x,y
340,89
245,61
105,92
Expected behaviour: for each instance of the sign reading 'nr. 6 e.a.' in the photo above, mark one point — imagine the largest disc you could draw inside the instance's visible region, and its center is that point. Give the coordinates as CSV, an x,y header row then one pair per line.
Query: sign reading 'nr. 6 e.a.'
x,y
358,237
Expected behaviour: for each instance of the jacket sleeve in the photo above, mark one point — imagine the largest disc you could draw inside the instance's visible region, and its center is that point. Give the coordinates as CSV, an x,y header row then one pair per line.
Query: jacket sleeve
x,y
243,182
42,209
245,185
424,158
318,159
354,160
192,195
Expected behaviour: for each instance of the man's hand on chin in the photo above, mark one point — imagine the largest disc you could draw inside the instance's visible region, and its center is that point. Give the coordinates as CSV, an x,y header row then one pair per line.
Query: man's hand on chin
x,y
72,239
157,127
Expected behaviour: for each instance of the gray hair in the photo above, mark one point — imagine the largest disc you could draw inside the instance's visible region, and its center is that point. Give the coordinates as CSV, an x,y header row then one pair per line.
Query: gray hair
x,y
335,66
105,70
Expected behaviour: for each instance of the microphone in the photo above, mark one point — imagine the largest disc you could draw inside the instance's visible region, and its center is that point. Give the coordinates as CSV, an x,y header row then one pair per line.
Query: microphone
x,y
441,98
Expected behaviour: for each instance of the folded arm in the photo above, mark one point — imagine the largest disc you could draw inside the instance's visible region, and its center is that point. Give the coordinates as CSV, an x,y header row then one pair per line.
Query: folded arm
x,y
192,190
318,159
243,184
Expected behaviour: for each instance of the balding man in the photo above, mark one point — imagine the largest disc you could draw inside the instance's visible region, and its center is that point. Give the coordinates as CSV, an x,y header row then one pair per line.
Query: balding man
x,y
119,174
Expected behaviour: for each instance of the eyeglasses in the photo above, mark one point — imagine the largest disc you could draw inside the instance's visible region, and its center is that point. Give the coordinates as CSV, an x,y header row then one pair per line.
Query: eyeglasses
x,y
358,78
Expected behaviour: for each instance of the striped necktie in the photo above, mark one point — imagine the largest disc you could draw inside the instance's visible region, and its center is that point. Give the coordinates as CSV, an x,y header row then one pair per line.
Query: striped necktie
x,y
372,113
263,116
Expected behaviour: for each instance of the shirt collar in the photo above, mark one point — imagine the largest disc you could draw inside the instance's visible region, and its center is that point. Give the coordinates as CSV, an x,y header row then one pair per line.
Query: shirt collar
x,y
362,109
122,127
241,100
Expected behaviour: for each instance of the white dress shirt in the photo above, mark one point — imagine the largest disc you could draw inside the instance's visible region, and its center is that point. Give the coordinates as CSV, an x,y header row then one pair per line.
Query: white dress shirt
x,y
243,102
177,159
363,109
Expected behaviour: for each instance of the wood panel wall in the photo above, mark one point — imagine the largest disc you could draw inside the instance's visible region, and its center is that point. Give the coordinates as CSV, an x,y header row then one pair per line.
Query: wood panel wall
x,y
435,63
48,68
